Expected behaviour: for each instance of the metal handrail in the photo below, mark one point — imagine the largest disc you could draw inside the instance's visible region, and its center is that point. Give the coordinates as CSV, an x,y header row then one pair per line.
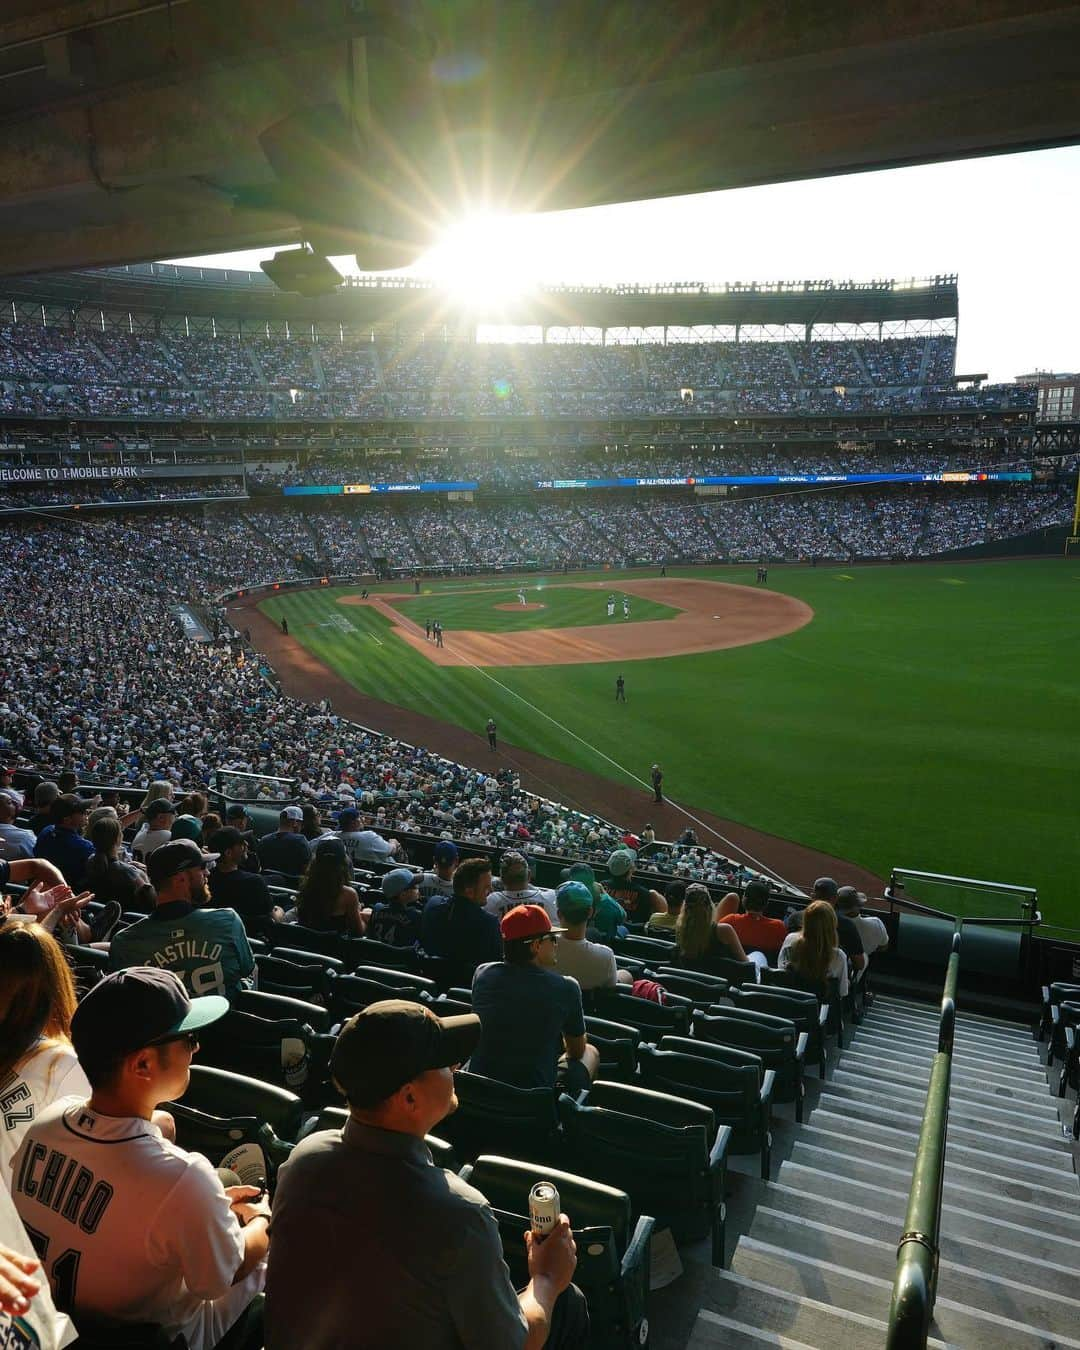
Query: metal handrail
x,y
915,1283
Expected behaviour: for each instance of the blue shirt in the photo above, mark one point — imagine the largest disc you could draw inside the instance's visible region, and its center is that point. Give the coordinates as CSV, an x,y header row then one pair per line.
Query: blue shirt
x,y
465,933
207,948
68,851
397,925
524,1011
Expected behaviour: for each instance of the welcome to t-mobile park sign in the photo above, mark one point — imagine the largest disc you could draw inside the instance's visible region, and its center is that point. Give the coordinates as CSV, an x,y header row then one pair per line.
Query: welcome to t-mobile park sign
x,y
65,474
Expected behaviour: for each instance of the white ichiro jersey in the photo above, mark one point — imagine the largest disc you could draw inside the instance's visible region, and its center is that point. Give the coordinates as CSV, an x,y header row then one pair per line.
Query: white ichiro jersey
x,y
41,1327
129,1226
502,902
49,1074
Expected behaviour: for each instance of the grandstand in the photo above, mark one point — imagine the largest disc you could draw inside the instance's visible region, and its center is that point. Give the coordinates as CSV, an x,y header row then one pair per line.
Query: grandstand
x,y
192,438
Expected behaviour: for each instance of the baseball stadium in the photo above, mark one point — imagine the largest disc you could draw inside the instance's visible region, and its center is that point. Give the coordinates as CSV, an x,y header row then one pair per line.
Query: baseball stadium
x,y
559,802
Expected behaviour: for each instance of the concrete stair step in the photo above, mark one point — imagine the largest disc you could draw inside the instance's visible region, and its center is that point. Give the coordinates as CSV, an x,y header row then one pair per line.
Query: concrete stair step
x,y
996,1248
964,1146
790,1320
1002,1294
1022,1043
926,1047
967,1214
1042,1114
968,1125
964,1018
865,1048
1008,1090
956,1323
964,1185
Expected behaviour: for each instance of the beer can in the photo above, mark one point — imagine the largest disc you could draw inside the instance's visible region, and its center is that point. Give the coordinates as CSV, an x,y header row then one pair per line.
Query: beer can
x,y
543,1208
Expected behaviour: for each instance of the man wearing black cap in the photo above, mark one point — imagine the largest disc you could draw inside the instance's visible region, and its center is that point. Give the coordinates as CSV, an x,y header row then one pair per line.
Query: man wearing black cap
x,y
233,887
62,842
134,1228
207,948
156,829
285,849
237,818
408,1254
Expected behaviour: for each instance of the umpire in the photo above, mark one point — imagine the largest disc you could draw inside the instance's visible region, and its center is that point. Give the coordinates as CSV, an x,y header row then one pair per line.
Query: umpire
x,y
374,1246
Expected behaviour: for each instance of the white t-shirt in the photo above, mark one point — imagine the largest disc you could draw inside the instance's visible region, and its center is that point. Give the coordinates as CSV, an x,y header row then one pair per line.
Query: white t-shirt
x,y
590,963
41,1325
838,969
52,1072
873,932
147,840
366,846
502,902
143,1231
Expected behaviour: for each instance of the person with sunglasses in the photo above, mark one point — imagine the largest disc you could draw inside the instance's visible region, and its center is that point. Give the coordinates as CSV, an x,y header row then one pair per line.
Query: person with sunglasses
x,y
130,1227
208,948
532,1027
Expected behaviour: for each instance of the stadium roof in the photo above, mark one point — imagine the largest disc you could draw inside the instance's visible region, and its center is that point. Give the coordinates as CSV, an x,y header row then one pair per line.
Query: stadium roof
x,y
137,129
168,288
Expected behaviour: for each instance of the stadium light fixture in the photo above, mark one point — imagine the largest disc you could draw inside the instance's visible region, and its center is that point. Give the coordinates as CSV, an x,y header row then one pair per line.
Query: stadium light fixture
x,y
303,271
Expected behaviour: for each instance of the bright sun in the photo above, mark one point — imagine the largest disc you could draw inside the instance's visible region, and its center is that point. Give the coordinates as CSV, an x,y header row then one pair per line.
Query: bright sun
x,y
480,260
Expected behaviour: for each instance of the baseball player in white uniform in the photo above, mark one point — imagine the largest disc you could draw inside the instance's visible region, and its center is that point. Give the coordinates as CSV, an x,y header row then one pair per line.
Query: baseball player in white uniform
x,y
521,596
127,1225
626,606
611,606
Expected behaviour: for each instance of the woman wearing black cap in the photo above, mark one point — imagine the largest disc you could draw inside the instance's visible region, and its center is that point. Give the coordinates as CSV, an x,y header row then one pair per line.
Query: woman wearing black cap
x,y
326,899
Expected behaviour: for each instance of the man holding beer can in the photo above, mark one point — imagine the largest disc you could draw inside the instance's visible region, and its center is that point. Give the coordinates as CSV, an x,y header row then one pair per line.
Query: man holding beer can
x,y
380,1249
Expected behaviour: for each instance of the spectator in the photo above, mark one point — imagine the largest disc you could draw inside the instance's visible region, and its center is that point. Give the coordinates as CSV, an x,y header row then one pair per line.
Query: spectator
x,y
24,1292
326,899
639,901
592,965
161,789
849,940
663,923
457,927
427,1254
187,827
397,918
14,841
231,887
110,876
62,843
608,917
532,1025
207,948
872,931
44,796
364,845
186,1264
156,829
757,933
440,881
237,818
37,1063
515,888
285,849
312,828
813,954
700,942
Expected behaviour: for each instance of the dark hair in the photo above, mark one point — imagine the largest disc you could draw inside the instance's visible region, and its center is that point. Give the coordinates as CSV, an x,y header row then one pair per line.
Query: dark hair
x,y
675,894
67,804
192,804
105,834
518,952
469,873
756,896
320,886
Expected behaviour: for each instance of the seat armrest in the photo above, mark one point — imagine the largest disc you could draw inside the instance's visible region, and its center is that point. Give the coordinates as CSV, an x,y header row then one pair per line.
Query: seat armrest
x,y
719,1151
635,1270
801,1042
1046,993
768,1083
823,1016
1070,1039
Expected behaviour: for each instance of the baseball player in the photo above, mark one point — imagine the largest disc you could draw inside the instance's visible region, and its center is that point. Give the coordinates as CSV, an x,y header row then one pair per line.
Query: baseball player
x,y
521,596
128,1225
626,606
620,690
611,606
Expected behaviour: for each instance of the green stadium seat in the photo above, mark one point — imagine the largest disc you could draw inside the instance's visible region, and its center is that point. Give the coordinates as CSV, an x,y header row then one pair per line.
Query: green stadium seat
x,y
833,1004
617,1043
353,993
654,951
737,973
613,1250
444,1006
367,952
299,957
275,1007
804,1009
1067,1020
774,1040
491,1114
308,981
734,1084
1052,995
295,935
287,1052
651,1019
224,1093
665,1152
702,990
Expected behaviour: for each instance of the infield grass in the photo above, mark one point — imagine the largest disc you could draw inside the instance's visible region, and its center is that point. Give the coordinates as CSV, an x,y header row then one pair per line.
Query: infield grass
x,y
928,717
564,606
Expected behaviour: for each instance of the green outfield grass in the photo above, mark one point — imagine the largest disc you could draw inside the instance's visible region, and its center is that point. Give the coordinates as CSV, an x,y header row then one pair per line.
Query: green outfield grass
x,y
928,717
565,606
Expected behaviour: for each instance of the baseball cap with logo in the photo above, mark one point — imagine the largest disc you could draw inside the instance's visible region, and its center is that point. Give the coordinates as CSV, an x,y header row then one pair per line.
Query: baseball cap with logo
x,y
173,858
526,921
187,827
621,861
445,851
292,813
160,806
398,880
574,901
392,1042
136,1007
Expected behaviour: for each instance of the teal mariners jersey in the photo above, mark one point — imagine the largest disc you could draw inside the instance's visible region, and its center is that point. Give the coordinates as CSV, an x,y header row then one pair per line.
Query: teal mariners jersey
x,y
207,948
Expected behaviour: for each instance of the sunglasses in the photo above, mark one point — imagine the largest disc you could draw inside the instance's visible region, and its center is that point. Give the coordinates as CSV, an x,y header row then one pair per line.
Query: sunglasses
x,y
192,1038
553,938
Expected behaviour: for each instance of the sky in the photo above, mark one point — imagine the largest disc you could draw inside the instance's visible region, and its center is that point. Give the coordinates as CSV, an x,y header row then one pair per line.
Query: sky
x,y
1007,225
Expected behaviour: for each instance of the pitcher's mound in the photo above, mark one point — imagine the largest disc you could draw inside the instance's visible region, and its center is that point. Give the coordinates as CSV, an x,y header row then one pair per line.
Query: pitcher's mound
x,y
516,605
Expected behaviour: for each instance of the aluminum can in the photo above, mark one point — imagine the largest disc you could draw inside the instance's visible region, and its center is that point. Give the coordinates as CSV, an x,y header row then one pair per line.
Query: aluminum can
x,y
543,1209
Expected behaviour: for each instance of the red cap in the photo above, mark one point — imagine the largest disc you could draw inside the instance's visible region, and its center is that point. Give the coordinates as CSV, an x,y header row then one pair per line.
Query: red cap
x,y
526,921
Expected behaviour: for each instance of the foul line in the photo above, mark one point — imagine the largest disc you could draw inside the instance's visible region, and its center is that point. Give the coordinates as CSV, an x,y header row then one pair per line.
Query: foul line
x,y
730,843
